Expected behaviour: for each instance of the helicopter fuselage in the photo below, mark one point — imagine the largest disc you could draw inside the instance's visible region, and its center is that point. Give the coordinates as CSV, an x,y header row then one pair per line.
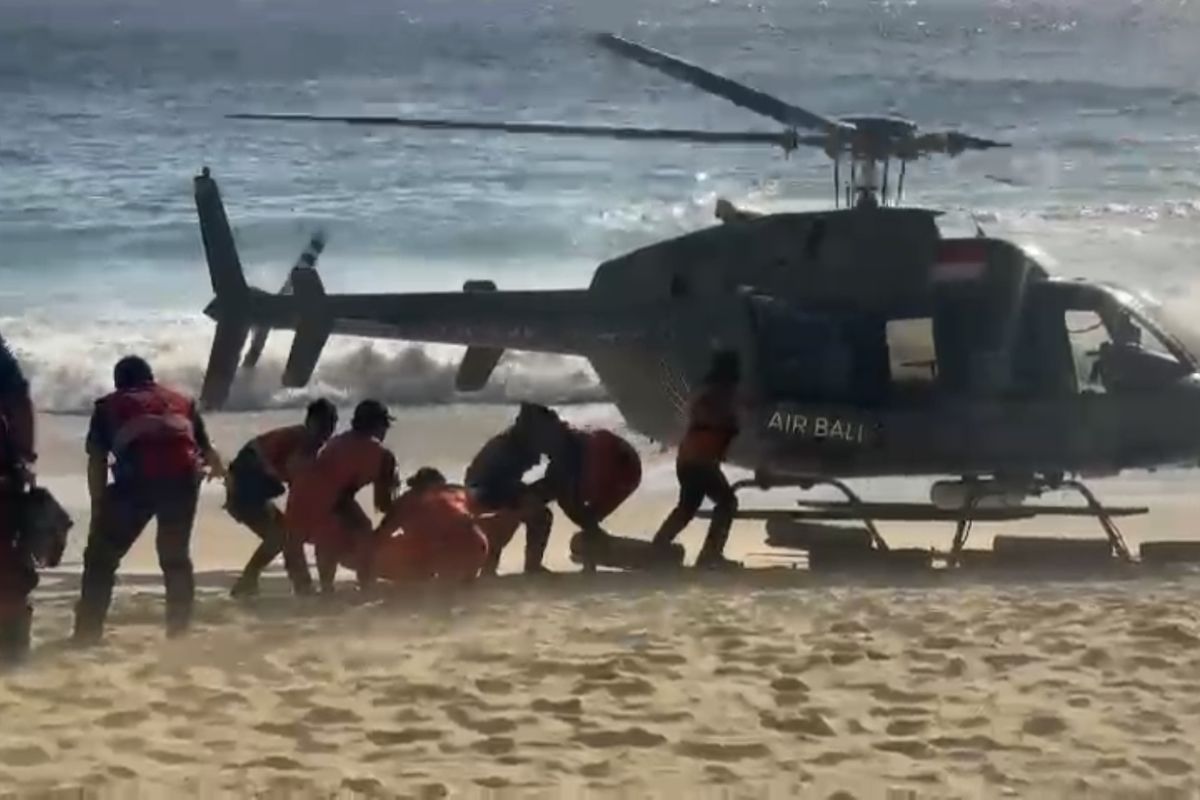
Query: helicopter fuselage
x,y
870,344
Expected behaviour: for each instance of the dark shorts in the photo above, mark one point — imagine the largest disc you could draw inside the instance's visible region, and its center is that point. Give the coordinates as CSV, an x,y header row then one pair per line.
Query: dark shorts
x,y
498,496
251,490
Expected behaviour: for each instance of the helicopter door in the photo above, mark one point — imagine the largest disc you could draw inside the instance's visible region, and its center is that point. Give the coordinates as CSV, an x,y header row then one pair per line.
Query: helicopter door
x,y
815,373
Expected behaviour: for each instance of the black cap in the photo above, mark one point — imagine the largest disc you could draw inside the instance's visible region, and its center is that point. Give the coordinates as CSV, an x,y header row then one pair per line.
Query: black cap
x,y
370,413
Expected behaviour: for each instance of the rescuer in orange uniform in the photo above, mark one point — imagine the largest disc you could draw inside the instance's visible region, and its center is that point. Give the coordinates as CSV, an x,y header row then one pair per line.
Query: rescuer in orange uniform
x,y
18,576
159,448
440,539
261,472
321,507
711,428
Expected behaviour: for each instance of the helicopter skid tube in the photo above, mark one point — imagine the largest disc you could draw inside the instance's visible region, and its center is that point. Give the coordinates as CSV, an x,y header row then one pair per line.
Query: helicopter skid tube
x,y
833,545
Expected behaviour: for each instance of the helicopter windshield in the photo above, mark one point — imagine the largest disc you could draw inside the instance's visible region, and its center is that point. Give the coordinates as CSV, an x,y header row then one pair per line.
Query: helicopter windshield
x,y
1120,342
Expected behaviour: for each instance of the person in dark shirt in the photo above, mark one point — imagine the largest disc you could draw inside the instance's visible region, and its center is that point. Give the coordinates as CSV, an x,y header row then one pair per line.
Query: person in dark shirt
x,y
159,450
18,571
711,428
495,481
263,470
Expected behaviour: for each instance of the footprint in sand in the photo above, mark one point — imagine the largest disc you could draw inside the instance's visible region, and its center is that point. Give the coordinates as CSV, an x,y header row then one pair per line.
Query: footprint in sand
x,y
906,727
403,736
810,724
630,737
721,774
282,763
722,751
1044,725
488,727
572,707
598,769
832,759
494,745
23,756
169,758
328,715
122,719
1168,765
789,684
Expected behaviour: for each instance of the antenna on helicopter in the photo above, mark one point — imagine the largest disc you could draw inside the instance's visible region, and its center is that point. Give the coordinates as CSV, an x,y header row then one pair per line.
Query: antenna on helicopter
x,y
869,143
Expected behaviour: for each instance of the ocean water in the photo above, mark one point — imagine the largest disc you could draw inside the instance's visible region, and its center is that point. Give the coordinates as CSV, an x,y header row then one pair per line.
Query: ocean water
x,y
109,107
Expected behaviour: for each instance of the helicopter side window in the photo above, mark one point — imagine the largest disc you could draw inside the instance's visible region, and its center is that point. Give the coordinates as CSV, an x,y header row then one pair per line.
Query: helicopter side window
x,y
805,356
912,357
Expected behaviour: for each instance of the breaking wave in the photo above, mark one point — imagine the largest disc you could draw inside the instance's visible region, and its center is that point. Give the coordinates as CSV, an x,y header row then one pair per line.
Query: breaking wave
x,y
68,370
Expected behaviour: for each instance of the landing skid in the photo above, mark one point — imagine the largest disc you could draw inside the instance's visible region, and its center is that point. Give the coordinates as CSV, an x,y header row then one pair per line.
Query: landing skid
x,y
853,508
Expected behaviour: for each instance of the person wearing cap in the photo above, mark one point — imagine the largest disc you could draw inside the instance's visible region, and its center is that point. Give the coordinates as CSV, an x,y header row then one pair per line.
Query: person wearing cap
x,y
711,427
321,507
439,540
261,472
159,450
495,481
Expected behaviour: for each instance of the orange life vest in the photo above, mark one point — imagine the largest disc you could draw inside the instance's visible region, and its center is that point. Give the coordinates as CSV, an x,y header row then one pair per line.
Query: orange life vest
x,y
347,463
712,425
152,432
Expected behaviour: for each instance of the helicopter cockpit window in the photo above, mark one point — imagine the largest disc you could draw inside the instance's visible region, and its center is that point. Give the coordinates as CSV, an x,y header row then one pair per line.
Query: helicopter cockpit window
x,y
1116,352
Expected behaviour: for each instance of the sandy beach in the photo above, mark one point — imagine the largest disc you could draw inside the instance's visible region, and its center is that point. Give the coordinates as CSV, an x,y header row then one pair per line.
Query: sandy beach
x,y
768,683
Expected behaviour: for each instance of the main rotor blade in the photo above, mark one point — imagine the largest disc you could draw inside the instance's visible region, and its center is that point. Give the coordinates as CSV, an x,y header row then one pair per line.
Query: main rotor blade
x,y
951,143
736,93
781,139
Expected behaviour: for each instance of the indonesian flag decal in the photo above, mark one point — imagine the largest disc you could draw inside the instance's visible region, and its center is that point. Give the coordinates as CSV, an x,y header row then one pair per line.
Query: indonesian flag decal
x,y
959,260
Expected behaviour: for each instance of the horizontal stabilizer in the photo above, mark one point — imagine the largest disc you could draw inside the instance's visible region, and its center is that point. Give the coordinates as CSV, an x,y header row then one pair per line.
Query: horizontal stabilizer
x,y
476,368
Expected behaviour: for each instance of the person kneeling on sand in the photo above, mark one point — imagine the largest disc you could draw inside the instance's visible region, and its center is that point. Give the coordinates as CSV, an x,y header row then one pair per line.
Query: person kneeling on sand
x,y
440,540
321,507
261,472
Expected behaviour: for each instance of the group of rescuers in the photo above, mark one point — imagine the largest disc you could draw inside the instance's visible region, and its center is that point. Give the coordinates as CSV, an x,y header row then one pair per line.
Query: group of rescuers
x,y
148,454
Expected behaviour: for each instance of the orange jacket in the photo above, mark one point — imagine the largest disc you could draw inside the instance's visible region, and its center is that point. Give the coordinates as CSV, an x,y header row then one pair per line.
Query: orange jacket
x,y
711,428
347,463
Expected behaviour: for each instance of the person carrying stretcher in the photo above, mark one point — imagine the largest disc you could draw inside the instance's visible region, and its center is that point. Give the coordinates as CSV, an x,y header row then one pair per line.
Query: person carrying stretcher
x,y
440,540
495,486
261,472
322,509
591,472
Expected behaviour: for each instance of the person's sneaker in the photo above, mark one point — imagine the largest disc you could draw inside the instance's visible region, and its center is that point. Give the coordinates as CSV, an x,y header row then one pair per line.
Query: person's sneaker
x,y
717,563
536,569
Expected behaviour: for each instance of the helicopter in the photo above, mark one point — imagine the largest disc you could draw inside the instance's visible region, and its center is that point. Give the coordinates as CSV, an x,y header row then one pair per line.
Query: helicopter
x,y
871,345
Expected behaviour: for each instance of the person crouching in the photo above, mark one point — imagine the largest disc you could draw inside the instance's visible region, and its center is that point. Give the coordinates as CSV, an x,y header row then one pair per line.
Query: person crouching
x,y
261,472
440,540
321,507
